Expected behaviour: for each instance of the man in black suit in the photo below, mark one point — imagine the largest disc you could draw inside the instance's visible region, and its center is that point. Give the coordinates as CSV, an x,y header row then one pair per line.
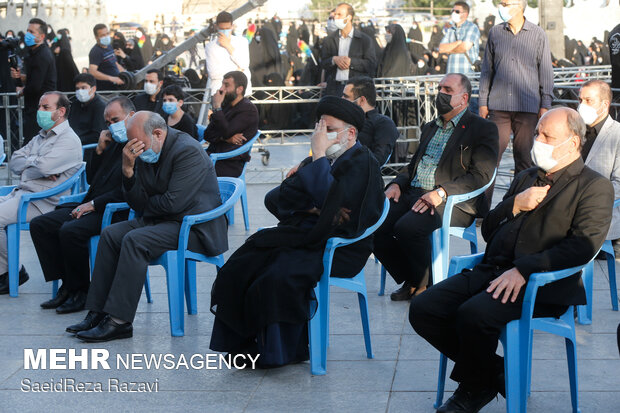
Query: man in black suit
x,y
61,237
346,53
163,187
554,216
457,154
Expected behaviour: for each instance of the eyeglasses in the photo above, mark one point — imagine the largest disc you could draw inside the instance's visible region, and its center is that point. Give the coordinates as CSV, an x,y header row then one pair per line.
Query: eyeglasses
x,y
456,11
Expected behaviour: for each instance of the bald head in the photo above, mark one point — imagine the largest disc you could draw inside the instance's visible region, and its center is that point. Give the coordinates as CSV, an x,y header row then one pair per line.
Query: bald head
x,y
149,128
563,129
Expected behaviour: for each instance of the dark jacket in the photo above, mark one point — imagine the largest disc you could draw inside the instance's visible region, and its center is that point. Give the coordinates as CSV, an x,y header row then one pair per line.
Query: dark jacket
x,y
86,119
467,163
104,174
171,188
40,76
378,134
142,101
565,230
362,54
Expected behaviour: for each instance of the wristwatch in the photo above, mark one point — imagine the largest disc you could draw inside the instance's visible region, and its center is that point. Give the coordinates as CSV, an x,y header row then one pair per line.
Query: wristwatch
x,y
92,202
442,194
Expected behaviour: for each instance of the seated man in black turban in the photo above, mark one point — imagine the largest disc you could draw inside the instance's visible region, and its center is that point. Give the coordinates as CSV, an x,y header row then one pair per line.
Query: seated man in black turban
x,y
261,296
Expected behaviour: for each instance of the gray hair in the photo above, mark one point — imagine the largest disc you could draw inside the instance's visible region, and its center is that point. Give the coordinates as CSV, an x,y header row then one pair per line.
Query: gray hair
x,y
576,125
155,121
523,4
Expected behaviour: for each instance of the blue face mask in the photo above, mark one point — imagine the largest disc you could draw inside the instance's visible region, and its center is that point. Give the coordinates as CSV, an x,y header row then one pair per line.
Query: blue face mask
x,y
118,131
150,156
105,41
44,119
169,107
226,32
29,39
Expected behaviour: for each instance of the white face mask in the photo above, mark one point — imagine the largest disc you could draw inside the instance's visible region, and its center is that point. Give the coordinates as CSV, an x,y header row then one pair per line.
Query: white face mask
x,y
83,95
150,88
340,23
455,17
337,149
588,114
542,155
504,13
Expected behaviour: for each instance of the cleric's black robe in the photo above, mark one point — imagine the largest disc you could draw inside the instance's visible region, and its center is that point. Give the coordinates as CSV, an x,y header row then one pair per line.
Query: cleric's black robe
x,y
268,282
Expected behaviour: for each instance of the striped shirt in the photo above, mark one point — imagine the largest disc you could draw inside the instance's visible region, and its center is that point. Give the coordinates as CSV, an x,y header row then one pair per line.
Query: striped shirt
x,y
516,74
425,174
467,32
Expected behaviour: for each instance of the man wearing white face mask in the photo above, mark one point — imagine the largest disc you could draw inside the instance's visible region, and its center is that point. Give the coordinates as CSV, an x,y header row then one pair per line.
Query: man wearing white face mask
x,y
226,53
86,114
554,216
516,80
102,61
601,150
151,98
461,42
346,53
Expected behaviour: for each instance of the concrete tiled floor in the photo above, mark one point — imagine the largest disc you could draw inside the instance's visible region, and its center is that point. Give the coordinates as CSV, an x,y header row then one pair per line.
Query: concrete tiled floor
x,y
401,378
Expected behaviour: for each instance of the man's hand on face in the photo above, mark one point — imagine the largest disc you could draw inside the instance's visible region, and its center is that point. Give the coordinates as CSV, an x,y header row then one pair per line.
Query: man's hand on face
x,y
131,151
319,142
510,282
217,99
105,137
224,41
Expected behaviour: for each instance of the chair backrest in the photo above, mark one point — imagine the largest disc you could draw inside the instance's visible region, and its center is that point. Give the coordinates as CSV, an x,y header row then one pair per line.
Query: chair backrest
x,y
2,157
245,148
441,236
201,131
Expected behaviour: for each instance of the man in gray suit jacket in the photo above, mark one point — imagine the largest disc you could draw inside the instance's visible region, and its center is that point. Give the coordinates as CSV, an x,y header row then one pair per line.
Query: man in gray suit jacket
x,y
172,178
49,159
601,151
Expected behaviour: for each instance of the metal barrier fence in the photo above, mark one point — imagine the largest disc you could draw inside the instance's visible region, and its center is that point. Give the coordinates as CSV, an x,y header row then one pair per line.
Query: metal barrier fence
x,y
409,101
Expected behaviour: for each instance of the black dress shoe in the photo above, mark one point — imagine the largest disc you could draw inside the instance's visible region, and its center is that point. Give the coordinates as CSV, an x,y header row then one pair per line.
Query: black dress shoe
x,y
23,277
405,292
61,296
467,401
106,330
92,319
74,303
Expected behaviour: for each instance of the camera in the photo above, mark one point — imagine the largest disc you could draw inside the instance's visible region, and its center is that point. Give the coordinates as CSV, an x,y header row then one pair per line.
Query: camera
x,y
11,44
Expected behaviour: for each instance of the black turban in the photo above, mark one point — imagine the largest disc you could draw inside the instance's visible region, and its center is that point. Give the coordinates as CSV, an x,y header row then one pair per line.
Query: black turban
x,y
342,109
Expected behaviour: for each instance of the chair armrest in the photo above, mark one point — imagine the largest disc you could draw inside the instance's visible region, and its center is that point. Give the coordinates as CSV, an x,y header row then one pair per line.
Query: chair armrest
x,y
110,209
617,203
336,242
461,262
5,190
72,198
246,147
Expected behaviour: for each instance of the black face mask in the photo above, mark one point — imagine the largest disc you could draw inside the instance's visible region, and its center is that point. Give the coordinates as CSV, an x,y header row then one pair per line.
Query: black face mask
x,y
443,103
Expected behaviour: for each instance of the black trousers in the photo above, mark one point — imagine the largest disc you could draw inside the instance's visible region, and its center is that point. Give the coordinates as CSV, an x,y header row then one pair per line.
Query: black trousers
x,y
403,243
124,253
460,319
62,243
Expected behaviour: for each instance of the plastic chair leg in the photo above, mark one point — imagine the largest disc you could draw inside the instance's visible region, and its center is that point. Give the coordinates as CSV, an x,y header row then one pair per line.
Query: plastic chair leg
x,y
244,209
175,294
382,286
190,287
441,380
231,216
571,358
93,244
613,288
317,330
584,312
365,323
514,369
147,288
12,237
54,288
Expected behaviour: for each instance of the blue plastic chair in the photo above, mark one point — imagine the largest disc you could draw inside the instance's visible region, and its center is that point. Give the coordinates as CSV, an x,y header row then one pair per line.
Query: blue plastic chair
x,y
2,157
245,148
180,264
318,326
440,238
13,231
201,132
516,337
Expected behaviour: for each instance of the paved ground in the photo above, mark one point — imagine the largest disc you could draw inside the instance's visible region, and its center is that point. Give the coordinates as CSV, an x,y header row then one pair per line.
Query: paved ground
x,y
401,377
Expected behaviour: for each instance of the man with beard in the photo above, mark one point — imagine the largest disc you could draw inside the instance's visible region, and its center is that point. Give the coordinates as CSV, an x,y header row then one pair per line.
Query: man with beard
x,y
233,122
